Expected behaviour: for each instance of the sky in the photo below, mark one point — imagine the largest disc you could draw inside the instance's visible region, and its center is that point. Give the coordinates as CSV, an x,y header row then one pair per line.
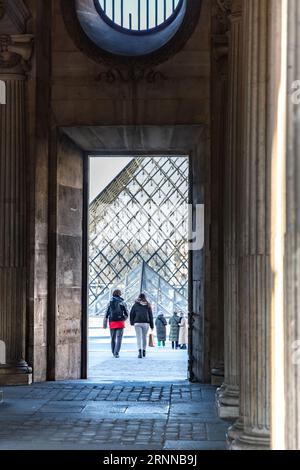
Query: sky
x,y
131,6
103,170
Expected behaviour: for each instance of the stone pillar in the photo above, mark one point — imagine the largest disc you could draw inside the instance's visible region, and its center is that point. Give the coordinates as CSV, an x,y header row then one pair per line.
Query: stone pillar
x,y
292,236
14,51
228,394
254,233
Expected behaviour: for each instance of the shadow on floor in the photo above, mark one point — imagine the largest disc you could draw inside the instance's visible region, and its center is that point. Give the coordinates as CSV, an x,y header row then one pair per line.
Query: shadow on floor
x,y
111,416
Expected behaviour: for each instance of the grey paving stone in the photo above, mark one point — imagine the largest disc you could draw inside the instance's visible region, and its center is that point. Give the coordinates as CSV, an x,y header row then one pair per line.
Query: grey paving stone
x,y
195,445
216,431
110,416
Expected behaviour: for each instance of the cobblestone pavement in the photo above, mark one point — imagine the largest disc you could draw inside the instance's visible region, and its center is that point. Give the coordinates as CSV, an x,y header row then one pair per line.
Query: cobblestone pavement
x,y
111,416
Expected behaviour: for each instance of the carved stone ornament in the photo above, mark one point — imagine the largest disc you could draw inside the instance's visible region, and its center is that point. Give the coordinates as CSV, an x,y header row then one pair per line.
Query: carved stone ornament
x,y
134,74
16,50
224,8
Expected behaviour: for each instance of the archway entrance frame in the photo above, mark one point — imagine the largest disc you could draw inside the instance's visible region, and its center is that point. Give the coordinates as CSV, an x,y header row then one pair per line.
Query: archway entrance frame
x,y
79,143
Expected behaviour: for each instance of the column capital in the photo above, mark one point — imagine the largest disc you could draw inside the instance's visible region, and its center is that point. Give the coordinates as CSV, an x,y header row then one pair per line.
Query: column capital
x,y
236,8
15,51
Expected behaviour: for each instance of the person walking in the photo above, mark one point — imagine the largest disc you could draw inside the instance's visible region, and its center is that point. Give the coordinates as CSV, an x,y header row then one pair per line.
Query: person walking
x,y
174,330
141,317
161,330
117,315
183,331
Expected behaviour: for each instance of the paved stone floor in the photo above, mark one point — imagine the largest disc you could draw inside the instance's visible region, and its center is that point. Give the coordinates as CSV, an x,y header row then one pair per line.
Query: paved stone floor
x,y
162,363
111,416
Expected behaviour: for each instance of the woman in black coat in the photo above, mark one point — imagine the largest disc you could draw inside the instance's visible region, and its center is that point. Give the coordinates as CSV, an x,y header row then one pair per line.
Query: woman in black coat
x,y
161,330
141,317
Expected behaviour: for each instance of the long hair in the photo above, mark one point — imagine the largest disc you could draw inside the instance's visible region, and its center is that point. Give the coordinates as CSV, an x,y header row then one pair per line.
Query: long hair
x,y
142,298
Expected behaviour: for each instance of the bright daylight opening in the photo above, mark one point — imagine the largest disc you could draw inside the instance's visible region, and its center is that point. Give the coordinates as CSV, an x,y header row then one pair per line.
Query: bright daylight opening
x,y
138,226
139,15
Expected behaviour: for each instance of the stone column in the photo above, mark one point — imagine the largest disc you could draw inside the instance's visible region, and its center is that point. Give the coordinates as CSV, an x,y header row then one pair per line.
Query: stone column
x,y
292,237
254,233
228,394
14,51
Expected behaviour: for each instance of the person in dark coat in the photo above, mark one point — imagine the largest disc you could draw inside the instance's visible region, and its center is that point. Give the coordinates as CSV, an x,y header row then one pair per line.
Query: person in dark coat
x,y
161,330
141,317
116,314
174,330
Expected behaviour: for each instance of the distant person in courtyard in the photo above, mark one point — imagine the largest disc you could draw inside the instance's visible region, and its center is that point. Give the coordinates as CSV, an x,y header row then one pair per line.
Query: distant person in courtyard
x,y
183,331
141,317
161,330
174,330
117,315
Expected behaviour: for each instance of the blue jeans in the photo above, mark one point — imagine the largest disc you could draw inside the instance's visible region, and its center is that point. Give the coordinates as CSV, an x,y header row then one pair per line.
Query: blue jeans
x,y
116,340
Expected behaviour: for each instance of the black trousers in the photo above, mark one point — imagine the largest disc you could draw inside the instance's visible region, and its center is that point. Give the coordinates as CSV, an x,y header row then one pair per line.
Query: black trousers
x,y
116,340
175,344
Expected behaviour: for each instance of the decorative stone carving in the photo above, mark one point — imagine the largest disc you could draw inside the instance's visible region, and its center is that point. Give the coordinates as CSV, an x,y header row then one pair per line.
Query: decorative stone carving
x,y
134,74
223,12
15,50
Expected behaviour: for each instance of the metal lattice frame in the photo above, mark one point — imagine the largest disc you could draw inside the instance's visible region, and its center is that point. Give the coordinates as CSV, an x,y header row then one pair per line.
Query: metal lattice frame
x,y
141,216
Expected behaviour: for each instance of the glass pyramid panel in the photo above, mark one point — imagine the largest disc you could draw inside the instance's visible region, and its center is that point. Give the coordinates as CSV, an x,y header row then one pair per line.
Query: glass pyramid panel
x,y
162,296
141,217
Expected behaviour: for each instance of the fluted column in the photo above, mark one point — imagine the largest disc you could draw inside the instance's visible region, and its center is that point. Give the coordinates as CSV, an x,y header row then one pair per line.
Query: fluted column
x,y
254,234
292,238
228,394
13,217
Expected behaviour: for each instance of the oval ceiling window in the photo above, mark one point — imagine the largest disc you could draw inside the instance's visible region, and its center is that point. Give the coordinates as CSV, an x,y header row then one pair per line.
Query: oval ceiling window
x,y
131,30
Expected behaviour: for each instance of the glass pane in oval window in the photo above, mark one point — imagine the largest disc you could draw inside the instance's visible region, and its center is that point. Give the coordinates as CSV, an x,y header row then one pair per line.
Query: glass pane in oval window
x,y
139,15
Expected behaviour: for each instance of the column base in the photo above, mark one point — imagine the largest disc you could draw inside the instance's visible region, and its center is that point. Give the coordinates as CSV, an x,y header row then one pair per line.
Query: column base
x,y
234,432
252,441
15,375
217,375
228,402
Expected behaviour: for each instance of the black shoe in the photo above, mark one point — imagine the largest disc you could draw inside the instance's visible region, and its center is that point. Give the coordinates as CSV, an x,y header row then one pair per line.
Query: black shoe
x,y
144,353
140,354
117,356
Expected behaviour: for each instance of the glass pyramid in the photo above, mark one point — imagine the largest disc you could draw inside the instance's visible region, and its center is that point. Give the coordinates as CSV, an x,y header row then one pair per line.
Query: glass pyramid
x,y
162,296
140,217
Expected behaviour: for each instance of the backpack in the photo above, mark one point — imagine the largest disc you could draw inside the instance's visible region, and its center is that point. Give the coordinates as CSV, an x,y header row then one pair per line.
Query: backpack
x,y
117,311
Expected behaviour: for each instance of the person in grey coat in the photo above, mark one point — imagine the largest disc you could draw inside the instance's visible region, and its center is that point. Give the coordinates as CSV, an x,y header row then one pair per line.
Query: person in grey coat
x,y
174,330
161,330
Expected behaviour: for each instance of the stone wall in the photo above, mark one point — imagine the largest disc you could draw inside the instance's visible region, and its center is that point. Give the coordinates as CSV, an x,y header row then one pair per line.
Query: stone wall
x,y
65,278
64,89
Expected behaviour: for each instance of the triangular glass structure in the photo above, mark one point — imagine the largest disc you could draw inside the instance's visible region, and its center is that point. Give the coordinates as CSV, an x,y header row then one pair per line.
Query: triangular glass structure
x,y
141,217
162,296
